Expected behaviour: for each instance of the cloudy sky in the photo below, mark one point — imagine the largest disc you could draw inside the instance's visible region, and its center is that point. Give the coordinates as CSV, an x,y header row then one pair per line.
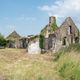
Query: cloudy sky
x,y
30,16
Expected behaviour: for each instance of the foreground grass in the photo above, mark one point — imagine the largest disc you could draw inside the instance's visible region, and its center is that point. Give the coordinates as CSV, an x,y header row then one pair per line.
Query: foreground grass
x,y
68,63
16,64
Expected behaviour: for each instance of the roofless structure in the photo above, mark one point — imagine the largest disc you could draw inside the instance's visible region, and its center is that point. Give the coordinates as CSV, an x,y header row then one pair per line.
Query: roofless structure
x,y
13,40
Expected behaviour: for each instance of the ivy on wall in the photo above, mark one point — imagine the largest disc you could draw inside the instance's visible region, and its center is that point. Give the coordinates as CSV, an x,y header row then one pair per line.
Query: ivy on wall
x,y
41,41
54,26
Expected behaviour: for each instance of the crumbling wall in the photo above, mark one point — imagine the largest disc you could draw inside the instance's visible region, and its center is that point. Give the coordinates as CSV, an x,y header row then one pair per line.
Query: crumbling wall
x,y
33,47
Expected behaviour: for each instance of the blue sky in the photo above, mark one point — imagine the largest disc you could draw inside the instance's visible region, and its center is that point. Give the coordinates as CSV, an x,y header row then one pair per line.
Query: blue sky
x,y
30,16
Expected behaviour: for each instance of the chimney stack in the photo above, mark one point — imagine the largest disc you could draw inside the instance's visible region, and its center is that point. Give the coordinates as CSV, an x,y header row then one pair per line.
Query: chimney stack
x,y
52,19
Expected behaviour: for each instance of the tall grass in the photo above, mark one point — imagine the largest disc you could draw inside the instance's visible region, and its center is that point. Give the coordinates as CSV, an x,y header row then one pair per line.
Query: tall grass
x,y
68,63
72,47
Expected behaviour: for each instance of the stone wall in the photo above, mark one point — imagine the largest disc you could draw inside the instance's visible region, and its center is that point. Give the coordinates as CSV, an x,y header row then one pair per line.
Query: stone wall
x,y
23,43
68,30
65,35
33,47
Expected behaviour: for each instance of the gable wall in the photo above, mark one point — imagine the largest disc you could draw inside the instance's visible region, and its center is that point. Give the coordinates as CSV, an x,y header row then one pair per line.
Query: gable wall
x,y
63,32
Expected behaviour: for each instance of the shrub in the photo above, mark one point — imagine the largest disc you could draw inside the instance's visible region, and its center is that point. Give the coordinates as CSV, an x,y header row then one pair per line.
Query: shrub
x,y
2,40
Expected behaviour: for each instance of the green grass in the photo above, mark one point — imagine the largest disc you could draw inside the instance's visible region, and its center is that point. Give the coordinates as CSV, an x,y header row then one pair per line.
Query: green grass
x,y
68,63
72,47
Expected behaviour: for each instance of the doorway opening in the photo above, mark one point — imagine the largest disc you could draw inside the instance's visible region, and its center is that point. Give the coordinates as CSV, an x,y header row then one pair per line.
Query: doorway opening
x,y
76,39
64,41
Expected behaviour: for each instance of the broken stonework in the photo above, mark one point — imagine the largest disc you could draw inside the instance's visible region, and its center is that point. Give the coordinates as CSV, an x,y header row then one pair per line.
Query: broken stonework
x,y
33,47
66,34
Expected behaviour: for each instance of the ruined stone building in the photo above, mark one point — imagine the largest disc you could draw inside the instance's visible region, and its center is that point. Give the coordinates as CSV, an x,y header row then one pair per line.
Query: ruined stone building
x,y
23,42
66,34
13,40
54,37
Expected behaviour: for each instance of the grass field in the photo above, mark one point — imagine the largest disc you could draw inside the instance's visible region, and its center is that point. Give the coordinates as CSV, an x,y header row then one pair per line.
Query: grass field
x,y
16,64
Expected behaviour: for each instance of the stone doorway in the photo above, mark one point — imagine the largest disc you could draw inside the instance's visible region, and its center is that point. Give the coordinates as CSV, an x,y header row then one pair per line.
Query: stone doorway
x,y
64,41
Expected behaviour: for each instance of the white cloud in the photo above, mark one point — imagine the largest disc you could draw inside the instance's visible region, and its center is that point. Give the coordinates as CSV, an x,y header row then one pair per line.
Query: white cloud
x,y
63,8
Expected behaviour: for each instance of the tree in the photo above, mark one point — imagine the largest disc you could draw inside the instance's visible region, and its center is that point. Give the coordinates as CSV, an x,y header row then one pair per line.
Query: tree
x,y
2,40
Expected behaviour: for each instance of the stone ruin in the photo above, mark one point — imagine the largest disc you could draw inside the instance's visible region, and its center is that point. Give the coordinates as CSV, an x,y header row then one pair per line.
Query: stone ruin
x,y
63,36
33,45
54,40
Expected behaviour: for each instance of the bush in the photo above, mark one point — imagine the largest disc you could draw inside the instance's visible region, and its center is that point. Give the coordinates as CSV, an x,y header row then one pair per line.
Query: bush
x,y
2,40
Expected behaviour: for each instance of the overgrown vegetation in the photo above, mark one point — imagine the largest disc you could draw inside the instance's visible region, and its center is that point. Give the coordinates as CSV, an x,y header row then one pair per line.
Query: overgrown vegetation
x,y
34,37
43,31
72,47
2,40
41,41
54,26
68,62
